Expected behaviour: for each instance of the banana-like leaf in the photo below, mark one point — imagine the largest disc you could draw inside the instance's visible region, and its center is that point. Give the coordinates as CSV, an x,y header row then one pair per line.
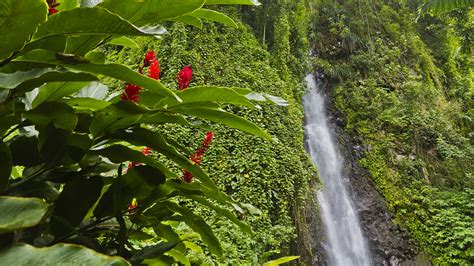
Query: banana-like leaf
x,y
60,254
212,15
18,20
18,213
117,71
281,261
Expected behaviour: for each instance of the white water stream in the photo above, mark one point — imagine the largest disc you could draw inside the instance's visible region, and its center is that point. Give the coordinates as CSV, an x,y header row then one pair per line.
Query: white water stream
x,y
345,244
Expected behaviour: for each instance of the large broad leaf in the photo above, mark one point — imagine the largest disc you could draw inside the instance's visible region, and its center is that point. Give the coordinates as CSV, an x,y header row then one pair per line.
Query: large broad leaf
x,y
214,16
281,261
18,213
87,104
88,191
60,254
95,90
116,71
233,2
151,252
90,21
125,42
60,75
223,117
53,91
138,183
12,80
6,165
206,94
221,212
120,154
18,20
151,12
61,114
198,225
116,116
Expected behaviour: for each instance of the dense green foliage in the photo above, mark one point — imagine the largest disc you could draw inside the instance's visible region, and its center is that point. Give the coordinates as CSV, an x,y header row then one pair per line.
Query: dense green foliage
x,y
405,88
65,146
271,176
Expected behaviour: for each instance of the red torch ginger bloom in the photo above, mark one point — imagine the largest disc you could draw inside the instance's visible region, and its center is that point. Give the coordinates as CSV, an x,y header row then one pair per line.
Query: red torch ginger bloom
x,y
131,93
52,7
149,58
154,71
197,156
184,77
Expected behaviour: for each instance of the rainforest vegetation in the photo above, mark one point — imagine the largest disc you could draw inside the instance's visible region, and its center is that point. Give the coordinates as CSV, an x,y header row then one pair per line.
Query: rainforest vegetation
x,y
165,132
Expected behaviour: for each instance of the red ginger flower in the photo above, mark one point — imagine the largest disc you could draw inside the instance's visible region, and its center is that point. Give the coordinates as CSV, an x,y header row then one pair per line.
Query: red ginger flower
x,y
131,93
52,6
184,77
132,205
197,156
154,71
149,58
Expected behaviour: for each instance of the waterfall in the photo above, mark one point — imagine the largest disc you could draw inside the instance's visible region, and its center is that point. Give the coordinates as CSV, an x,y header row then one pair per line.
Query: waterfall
x,y
345,244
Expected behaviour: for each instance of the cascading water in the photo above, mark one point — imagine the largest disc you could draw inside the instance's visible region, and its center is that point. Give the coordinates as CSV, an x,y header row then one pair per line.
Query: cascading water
x,y
345,245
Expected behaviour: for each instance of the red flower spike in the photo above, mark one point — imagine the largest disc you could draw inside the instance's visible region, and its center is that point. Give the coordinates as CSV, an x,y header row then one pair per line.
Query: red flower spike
x,y
146,151
132,205
131,93
198,155
184,77
149,58
154,71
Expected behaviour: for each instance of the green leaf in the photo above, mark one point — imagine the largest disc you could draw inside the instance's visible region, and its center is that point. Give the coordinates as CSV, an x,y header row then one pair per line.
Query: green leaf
x,y
53,91
151,12
281,261
190,20
12,80
88,191
59,254
18,213
151,252
120,154
116,116
223,117
207,94
61,114
90,104
90,21
18,20
125,42
198,225
154,140
116,71
95,90
233,2
6,165
137,183
214,16
221,212
67,4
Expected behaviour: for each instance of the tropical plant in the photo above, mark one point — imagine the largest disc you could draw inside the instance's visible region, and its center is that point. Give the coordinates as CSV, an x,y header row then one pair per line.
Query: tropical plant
x,y
74,185
442,6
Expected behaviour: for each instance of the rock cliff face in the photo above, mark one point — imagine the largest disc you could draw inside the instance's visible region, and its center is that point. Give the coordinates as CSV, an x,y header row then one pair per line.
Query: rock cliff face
x,y
390,244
